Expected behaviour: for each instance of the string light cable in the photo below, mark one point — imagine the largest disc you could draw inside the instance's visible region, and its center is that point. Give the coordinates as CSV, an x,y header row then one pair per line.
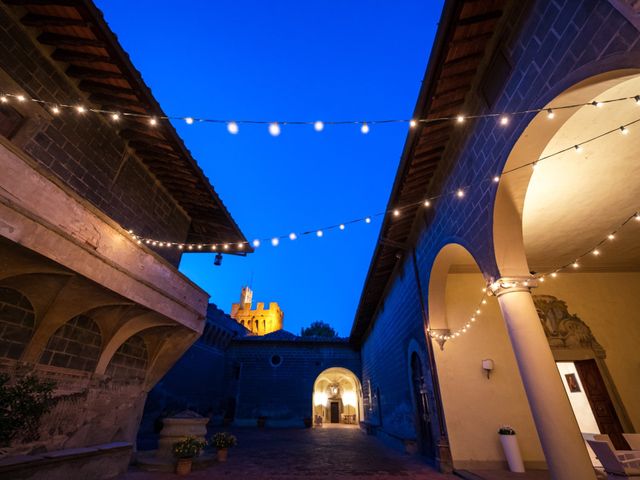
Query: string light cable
x,y
595,251
396,212
275,127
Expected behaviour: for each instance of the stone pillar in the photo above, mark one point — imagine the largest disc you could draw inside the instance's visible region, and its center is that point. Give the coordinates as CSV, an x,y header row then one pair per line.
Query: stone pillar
x,y
563,445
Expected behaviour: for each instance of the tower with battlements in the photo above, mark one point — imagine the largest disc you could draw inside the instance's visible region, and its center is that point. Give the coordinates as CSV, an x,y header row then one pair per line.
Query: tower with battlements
x,y
260,320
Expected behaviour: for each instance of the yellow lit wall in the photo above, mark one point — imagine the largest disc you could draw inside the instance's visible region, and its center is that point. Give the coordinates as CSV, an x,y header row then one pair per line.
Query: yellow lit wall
x,y
260,320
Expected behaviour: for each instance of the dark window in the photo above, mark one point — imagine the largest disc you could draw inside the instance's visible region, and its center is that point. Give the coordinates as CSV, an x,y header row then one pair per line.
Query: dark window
x,y
276,360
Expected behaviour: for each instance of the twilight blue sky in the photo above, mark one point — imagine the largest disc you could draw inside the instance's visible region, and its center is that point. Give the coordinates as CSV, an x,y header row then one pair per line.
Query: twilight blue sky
x,y
287,60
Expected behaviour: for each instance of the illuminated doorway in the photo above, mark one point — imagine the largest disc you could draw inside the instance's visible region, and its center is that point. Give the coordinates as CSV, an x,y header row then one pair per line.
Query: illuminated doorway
x,y
337,398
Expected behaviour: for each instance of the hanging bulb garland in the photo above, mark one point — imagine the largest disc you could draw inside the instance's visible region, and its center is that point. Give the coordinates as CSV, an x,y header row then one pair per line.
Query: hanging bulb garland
x,y
396,212
595,251
275,127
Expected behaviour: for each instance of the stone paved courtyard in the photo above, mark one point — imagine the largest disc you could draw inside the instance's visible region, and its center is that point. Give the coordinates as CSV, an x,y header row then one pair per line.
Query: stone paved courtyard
x,y
307,454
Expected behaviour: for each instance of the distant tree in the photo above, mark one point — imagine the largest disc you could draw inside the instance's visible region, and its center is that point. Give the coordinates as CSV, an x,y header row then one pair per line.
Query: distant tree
x,y
319,329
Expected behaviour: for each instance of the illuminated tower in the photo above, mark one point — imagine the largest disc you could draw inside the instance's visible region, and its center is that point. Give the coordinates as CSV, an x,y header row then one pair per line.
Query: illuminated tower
x,y
260,320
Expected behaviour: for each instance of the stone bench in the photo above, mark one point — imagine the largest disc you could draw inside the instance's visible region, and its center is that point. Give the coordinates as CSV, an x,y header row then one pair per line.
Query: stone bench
x,y
96,462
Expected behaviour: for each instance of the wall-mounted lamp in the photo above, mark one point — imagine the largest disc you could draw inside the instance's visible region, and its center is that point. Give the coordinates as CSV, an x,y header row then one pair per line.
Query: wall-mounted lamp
x,y
487,366
218,260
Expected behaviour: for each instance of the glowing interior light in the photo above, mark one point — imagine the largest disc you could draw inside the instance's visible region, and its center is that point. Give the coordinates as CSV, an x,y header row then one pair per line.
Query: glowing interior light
x,y
321,398
232,128
318,126
274,129
364,128
349,399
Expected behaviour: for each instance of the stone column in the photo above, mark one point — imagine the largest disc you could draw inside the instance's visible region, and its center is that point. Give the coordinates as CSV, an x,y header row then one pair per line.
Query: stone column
x,y
563,445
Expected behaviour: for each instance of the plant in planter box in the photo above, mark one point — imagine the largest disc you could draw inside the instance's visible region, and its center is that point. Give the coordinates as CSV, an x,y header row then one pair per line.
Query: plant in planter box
x,y
222,441
185,451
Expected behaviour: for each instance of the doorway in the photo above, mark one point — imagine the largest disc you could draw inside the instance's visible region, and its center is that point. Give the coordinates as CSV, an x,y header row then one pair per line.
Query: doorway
x,y
590,400
335,412
425,440
337,398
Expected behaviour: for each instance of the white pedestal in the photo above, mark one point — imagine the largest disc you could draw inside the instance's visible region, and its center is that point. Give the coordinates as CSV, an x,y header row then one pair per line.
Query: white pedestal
x,y
512,452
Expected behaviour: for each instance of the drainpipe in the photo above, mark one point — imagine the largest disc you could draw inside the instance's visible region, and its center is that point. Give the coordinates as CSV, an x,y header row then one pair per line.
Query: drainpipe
x,y
443,454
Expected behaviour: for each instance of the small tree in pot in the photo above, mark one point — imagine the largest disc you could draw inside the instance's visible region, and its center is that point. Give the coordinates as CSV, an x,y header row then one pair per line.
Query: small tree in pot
x,y
185,451
222,441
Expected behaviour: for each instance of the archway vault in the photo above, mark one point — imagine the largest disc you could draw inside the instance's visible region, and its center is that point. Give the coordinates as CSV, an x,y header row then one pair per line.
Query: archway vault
x,y
337,397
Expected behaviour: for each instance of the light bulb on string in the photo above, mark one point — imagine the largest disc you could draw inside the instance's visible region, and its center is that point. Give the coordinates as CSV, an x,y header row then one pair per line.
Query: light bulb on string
x,y
578,148
318,126
80,109
597,104
611,236
275,241
240,246
274,129
427,203
460,193
341,227
496,179
637,217
214,247
232,128
575,264
189,120
153,121
367,220
21,98
292,236
460,118
4,99
412,123
396,213
115,117
364,128
596,252
226,246
624,130
550,114
256,243
55,110
319,233
504,120
637,99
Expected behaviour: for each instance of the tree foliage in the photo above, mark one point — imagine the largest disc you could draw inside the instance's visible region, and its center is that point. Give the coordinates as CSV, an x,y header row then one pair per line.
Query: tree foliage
x,y
21,407
319,329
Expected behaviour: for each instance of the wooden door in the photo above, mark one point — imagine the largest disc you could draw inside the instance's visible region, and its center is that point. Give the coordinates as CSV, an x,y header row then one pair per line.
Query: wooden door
x,y
335,412
601,404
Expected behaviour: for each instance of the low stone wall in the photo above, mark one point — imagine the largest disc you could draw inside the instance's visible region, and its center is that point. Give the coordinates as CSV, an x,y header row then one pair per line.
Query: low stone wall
x,y
99,462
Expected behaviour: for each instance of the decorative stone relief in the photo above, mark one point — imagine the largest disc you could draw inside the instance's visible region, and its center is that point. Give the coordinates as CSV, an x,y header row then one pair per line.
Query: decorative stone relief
x,y
563,330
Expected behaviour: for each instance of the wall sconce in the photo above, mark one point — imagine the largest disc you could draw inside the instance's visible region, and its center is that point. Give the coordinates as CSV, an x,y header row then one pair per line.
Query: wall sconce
x,y
487,366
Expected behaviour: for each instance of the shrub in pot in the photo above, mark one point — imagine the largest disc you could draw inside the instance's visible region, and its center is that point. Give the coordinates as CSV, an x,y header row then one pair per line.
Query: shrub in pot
x,y
185,450
223,441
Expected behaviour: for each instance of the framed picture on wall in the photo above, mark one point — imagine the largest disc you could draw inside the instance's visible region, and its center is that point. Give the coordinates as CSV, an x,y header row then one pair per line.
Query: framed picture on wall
x,y
572,381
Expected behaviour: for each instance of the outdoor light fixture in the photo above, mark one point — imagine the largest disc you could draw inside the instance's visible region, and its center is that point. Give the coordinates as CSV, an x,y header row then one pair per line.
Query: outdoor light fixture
x,y
218,260
487,366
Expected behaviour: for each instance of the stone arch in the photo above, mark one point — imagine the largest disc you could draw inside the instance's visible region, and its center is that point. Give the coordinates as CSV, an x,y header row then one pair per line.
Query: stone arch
x,y
76,344
456,286
17,322
130,361
339,385
540,137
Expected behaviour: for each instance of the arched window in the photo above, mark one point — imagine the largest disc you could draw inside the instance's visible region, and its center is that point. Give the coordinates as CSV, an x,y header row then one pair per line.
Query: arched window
x,y
130,360
17,322
76,344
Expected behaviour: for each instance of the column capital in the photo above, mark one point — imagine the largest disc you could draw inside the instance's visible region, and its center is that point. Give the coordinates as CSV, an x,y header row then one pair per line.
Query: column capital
x,y
506,285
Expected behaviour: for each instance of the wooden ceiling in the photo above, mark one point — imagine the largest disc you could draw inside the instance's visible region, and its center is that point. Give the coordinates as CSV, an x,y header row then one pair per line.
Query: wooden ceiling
x,y
74,33
466,28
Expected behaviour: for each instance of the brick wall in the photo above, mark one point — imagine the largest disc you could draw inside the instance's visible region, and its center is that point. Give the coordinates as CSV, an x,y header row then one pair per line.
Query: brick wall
x,y
76,344
550,46
282,390
84,151
17,321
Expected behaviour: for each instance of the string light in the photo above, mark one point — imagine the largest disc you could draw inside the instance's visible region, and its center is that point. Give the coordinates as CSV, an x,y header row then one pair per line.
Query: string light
x,y
496,179
153,121
81,109
364,128
427,203
396,213
341,227
318,126
578,148
55,110
189,120
319,233
598,104
550,114
21,98
624,130
4,99
504,120
275,241
292,236
367,220
115,117
256,243
460,193
460,119
274,129
232,128
412,123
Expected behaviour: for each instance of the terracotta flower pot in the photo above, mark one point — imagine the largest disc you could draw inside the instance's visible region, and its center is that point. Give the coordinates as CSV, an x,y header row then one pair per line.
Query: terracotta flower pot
x,y
222,454
183,467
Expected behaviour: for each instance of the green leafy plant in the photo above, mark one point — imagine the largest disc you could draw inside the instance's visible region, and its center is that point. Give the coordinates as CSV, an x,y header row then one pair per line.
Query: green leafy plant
x,y
224,440
188,448
22,405
506,430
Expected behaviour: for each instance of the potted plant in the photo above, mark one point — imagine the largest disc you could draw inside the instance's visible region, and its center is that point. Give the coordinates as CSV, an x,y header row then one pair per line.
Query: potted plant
x,y
511,449
262,421
185,451
223,441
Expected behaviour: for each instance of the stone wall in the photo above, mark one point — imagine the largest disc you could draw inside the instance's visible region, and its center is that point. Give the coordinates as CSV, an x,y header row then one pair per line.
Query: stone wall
x,y
549,46
83,151
275,377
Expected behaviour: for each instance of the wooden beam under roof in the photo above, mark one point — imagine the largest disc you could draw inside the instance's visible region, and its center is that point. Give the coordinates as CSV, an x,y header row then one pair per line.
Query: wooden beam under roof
x,y
57,39
70,56
60,3
76,71
92,86
37,20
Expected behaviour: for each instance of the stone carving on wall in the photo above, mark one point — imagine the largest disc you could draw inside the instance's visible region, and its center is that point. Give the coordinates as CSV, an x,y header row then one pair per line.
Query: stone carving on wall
x,y
564,330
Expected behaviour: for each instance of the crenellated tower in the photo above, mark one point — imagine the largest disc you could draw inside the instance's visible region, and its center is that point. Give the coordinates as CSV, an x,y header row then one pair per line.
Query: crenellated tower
x,y
260,320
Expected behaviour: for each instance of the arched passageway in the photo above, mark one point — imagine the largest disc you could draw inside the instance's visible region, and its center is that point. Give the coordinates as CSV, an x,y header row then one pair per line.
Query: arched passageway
x,y
337,398
561,222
